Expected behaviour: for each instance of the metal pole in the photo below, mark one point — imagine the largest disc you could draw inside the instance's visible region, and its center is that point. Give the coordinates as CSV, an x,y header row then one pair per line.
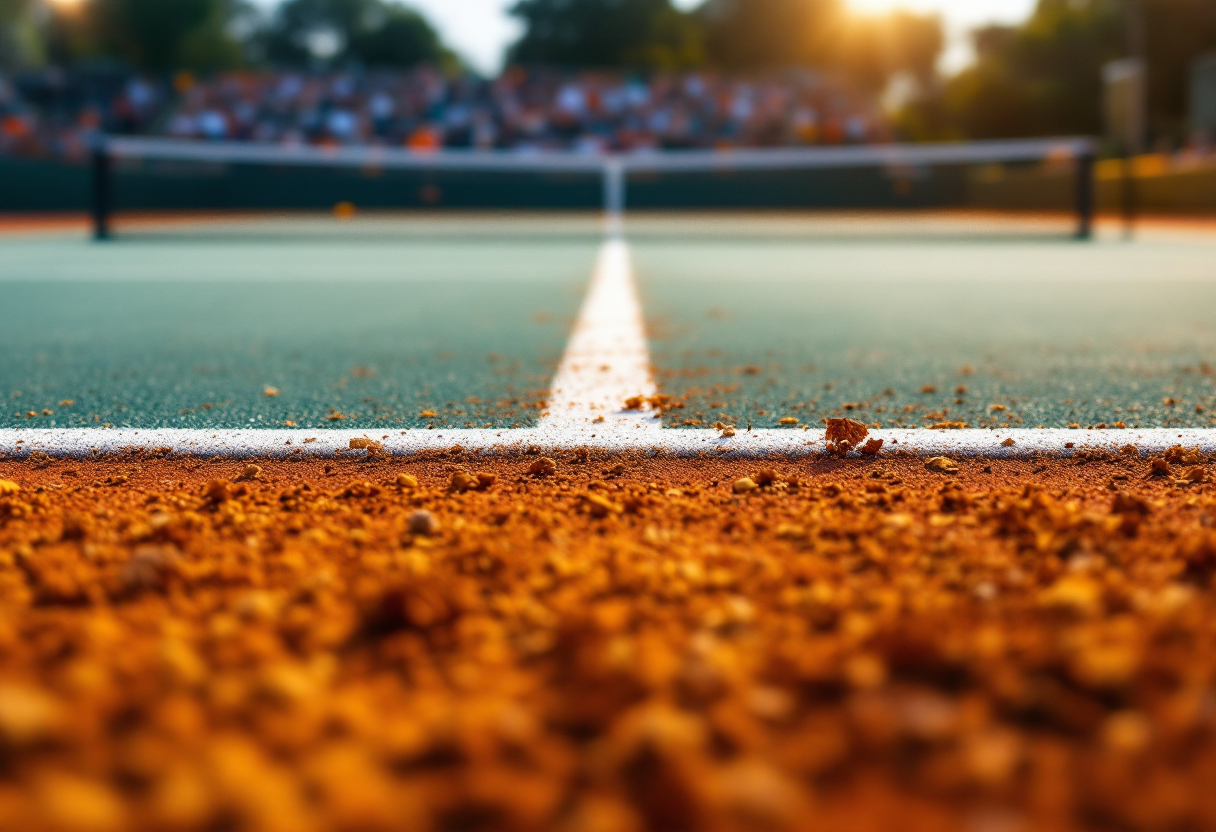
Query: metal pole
x,y
614,197
1085,196
102,190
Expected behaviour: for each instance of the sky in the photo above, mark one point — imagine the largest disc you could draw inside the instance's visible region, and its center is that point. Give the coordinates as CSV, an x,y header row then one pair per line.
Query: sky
x,y
481,29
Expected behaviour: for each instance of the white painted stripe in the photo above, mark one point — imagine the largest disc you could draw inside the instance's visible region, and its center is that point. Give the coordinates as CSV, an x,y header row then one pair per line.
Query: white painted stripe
x,y
606,360
86,442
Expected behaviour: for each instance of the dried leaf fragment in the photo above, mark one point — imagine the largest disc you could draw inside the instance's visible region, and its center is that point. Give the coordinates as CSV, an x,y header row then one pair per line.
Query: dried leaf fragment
x,y
362,443
841,431
1183,456
1195,474
543,467
942,465
788,420
872,447
464,481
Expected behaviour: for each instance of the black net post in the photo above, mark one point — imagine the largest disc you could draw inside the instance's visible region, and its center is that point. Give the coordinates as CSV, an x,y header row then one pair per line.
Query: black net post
x,y
1085,195
102,190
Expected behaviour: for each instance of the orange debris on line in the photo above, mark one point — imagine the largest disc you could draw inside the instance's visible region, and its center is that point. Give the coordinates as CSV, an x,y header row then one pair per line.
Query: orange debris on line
x,y
626,643
844,434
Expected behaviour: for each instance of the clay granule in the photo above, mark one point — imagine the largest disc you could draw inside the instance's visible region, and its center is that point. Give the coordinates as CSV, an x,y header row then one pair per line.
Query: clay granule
x,y
625,644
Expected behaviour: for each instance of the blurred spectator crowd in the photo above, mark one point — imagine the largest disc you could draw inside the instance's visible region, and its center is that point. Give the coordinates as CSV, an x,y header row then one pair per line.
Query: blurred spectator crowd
x,y
51,114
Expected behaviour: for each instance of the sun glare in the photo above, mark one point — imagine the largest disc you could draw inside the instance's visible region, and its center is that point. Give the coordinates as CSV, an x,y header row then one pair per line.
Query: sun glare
x,y
953,9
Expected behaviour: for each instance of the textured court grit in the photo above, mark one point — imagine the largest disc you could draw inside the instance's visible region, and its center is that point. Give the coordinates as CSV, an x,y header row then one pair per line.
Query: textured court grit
x,y
608,642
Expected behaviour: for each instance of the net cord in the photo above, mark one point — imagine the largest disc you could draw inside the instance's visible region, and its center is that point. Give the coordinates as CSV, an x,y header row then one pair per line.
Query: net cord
x,y
614,168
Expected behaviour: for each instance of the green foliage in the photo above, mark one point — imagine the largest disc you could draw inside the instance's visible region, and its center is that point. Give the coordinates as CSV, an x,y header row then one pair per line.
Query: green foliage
x,y
761,34
736,35
371,32
1045,76
1176,32
165,35
866,50
638,34
405,38
20,38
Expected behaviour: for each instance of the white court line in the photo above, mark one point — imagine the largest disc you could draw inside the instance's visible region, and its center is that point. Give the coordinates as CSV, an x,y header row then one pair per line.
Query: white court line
x,y
606,360
246,444
609,334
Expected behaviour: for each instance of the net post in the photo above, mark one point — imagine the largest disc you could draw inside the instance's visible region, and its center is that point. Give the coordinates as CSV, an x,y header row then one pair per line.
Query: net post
x,y
1085,194
102,189
614,196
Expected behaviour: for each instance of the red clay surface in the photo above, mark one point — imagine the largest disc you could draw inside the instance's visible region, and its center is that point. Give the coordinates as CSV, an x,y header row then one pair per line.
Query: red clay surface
x,y
608,644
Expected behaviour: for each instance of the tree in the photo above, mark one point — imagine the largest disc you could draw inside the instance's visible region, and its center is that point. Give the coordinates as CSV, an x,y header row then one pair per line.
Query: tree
x,y
370,32
641,34
1045,76
866,50
165,35
870,50
20,41
765,34
404,38
1176,32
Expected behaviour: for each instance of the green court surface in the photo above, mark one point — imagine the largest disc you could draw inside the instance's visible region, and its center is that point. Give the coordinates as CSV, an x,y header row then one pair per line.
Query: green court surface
x,y
920,328
374,323
363,325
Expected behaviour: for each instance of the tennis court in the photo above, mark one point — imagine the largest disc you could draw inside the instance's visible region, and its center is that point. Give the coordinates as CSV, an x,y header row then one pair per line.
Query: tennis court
x,y
584,303
413,321
375,518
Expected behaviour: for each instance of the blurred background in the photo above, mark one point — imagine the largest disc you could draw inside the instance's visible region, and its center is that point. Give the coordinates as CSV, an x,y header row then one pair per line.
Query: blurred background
x,y
613,75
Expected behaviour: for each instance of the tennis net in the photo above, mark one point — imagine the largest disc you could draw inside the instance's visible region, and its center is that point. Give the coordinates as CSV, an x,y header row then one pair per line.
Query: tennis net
x,y
151,175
